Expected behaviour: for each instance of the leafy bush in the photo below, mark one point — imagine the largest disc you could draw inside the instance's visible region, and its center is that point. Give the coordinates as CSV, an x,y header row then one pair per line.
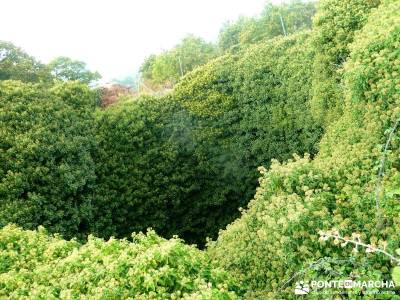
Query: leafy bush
x,y
272,100
34,265
181,164
277,239
46,168
247,109
145,169
335,23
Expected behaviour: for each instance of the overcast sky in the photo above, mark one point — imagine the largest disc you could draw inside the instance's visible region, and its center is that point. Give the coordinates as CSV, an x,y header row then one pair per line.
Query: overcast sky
x,y
113,36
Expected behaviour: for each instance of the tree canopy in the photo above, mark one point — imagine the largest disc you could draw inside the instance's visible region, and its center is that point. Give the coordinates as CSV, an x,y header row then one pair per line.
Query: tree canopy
x,y
16,64
275,20
64,69
168,67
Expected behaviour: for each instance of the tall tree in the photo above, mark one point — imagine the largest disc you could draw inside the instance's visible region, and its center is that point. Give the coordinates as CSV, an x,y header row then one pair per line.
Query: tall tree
x,y
168,67
275,20
16,64
65,69
229,35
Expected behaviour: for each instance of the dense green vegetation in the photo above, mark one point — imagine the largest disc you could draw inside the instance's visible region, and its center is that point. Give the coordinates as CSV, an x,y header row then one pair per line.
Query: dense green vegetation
x,y
46,164
335,25
150,267
248,108
278,235
146,171
184,163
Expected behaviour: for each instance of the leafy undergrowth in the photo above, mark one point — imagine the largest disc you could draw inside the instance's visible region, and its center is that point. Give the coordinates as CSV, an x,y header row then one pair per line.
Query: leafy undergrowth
x,y
35,265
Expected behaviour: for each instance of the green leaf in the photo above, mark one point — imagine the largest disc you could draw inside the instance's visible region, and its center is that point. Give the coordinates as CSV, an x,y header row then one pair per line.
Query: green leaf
x,y
396,274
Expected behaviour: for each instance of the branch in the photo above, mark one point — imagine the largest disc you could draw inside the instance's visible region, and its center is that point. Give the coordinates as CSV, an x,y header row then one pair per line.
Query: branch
x,y
324,236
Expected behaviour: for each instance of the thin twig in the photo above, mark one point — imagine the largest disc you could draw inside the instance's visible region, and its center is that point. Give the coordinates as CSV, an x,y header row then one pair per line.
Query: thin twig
x,y
359,243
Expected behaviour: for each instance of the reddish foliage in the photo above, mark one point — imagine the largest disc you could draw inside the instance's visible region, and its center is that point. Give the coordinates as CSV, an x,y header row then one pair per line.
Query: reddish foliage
x,y
110,94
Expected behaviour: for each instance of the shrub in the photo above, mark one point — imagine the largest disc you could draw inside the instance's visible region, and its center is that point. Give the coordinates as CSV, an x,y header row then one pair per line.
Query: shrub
x,y
335,23
46,168
184,163
247,109
34,265
145,169
181,164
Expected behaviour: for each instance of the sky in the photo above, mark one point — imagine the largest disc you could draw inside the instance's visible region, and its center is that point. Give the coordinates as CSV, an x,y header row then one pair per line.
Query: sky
x,y
113,36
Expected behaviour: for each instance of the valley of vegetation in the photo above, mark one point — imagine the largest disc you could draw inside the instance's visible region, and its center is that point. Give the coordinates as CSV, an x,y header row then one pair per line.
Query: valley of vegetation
x,y
273,158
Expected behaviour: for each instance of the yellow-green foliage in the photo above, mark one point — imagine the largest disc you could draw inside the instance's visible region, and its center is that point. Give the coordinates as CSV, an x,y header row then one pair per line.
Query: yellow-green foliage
x,y
34,265
334,27
277,236
274,83
207,91
181,164
46,165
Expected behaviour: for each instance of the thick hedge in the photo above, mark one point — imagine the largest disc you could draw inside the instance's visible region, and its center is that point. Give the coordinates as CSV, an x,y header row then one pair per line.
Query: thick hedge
x,y
334,26
248,109
46,167
274,83
147,175
35,265
276,240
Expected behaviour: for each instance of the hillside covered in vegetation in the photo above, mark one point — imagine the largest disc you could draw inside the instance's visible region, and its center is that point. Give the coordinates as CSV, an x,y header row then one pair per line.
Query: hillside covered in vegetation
x,y
280,148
